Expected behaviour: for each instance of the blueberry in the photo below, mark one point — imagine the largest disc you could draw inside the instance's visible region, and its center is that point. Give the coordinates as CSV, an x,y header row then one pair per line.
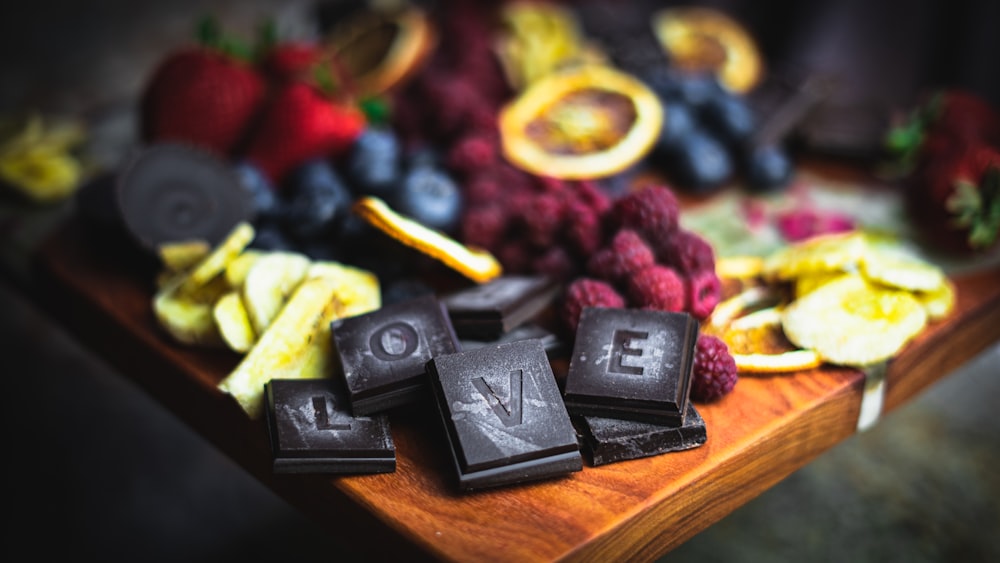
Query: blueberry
x,y
699,163
266,203
678,122
270,236
695,89
373,166
768,167
429,195
317,200
729,116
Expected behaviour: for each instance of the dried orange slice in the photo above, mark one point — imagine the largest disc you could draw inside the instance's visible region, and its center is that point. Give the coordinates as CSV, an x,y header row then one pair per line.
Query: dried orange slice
x,y
586,121
756,339
705,39
850,321
380,49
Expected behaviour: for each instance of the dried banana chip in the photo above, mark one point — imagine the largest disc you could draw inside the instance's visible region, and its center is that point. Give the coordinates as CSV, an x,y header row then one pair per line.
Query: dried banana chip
x,y
295,346
896,268
182,255
359,290
938,302
808,283
186,313
236,271
224,253
233,322
270,281
850,321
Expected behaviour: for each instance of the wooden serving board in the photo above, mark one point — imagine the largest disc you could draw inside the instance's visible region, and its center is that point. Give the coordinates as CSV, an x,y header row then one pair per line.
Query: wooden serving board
x,y
761,432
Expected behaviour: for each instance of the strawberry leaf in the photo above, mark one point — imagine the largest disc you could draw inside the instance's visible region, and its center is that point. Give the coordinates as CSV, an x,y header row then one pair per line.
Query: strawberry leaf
x,y
977,209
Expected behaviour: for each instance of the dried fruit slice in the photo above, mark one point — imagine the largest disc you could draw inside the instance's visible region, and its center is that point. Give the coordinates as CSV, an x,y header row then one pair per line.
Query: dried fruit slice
x,y
476,264
896,268
850,321
380,49
234,326
756,340
224,253
270,281
181,255
582,122
237,270
938,302
823,254
359,290
706,39
296,345
185,312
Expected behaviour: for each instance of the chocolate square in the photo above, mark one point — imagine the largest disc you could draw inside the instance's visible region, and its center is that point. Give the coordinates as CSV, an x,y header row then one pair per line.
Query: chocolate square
x,y
551,342
632,364
487,311
503,415
312,431
382,353
607,440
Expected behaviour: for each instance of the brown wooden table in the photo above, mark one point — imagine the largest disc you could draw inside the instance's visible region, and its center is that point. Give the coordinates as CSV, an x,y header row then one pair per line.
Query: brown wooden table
x,y
764,430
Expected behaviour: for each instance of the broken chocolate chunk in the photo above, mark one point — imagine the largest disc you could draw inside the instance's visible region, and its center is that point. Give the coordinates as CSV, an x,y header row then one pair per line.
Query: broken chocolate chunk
x,y
608,440
503,416
312,431
485,312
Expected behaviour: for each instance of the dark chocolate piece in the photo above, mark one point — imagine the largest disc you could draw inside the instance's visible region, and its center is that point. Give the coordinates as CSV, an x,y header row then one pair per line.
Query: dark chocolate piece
x,y
607,440
486,311
551,342
312,431
503,415
632,364
382,353
172,192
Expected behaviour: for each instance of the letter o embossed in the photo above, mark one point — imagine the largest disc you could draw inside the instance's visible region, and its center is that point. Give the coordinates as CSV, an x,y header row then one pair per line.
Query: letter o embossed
x,y
394,341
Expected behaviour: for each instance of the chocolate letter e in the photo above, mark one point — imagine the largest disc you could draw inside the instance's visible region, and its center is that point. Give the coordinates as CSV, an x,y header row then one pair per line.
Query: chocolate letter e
x,y
621,343
394,341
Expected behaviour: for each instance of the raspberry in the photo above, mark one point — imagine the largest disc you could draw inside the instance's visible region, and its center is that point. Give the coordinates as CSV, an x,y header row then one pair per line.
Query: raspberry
x,y
473,152
686,251
714,372
624,256
483,188
515,256
555,263
483,226
652,210
704,290
584,232
590,194
542,218
656,287
587,292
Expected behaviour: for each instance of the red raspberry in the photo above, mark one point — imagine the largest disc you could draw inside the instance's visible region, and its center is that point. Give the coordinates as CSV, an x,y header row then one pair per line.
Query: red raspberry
x,y
656,287
515,256
704,290
583,232
686,251
542,218
483,187
627,254
473,152
652,210
556,263
484,226
587,292
590,193
714,372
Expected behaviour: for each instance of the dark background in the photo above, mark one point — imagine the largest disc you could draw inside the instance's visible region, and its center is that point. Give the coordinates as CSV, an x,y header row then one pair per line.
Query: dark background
x,y
96,469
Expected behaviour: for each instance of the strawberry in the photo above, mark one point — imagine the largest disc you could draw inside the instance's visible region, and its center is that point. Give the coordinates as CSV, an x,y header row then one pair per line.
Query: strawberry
x,y
291,60
301,122
955,195
203,95
963,116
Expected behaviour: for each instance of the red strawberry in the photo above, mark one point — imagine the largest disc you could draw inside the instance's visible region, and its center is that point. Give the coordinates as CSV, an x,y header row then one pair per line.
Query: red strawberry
x,y
290,60
202,95
963,116
955,195
301,123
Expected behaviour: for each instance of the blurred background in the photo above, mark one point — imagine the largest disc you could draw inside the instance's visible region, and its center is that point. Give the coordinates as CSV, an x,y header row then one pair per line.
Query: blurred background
x,y
97,468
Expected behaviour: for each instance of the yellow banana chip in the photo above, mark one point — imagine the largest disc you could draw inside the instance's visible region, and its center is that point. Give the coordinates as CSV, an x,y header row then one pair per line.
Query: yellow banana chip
x,y
850,321
186,313
359,290
237,269
809,282
296,345
182,255
224,253
269,283
234,326
895,268
938,302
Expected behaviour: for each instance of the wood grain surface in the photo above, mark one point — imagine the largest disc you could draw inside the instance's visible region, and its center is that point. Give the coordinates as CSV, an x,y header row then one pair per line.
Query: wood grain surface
x,y
768,427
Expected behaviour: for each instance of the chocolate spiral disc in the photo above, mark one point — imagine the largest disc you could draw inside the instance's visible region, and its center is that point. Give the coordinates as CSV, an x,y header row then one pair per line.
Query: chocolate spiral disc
x,y
171,192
